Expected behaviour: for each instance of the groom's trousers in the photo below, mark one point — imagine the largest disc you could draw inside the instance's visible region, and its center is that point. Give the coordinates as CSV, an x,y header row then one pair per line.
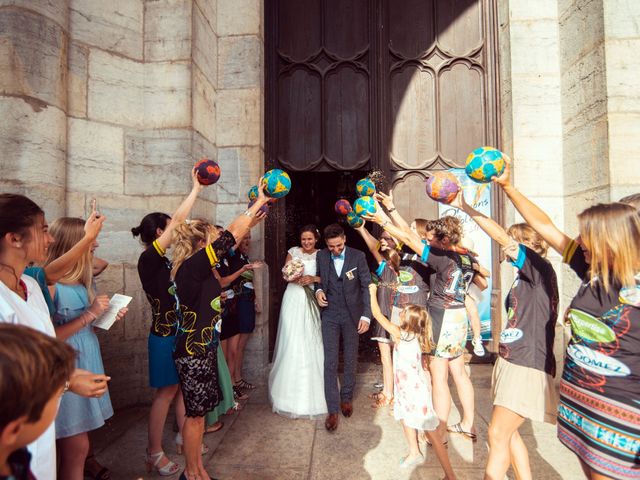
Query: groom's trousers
x,y
334,324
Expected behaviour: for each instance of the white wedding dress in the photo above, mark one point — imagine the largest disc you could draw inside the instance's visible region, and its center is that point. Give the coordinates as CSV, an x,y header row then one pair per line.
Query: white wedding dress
x,y
296,381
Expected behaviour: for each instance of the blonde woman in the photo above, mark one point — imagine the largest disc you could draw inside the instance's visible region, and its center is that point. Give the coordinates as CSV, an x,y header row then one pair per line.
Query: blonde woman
x,y
599,415
76,307
198,250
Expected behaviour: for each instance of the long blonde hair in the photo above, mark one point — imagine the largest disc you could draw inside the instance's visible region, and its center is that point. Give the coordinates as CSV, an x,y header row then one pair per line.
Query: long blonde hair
x,y
186,241
66,232
610,232
416,320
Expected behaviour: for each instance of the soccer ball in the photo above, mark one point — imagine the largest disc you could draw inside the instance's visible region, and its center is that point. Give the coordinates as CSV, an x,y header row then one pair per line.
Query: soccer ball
x,y
484,163
354,220
253,193
278,183
442,187
365,187
343,207
264,208
364,206
207,171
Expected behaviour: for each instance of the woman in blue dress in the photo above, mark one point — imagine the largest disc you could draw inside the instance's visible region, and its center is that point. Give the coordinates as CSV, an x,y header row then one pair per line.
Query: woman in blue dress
x,y
76,307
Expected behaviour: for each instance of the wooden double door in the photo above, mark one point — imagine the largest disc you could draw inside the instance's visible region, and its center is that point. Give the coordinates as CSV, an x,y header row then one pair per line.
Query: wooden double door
x,y
397,87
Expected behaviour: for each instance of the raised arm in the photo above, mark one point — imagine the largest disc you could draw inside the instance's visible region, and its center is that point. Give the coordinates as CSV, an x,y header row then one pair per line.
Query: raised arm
x,y
409,238
533,215
378,315
251,217
181,213
58,268
396,218
372,243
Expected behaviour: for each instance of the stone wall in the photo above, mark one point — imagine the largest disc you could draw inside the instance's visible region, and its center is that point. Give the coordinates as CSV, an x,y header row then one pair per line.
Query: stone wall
x,y
115,101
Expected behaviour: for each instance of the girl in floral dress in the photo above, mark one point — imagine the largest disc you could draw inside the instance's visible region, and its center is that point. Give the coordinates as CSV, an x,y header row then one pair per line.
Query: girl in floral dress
x,y
412,383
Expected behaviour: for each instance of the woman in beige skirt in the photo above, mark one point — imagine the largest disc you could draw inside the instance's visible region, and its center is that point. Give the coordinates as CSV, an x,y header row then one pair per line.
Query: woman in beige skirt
x,y
523,386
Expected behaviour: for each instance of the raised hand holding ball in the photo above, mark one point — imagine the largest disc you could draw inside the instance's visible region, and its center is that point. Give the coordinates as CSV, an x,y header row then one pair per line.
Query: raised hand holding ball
x,y
442,186
207,171
343,207
484,163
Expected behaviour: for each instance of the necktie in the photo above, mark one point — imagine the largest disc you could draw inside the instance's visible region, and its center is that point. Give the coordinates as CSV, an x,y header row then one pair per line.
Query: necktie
x,y
338,257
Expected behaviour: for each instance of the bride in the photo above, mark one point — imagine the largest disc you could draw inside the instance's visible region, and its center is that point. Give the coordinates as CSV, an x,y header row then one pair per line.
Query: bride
x,y
296,381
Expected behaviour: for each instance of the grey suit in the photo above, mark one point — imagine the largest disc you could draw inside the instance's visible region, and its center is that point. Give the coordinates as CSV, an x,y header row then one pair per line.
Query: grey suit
x,y
348,297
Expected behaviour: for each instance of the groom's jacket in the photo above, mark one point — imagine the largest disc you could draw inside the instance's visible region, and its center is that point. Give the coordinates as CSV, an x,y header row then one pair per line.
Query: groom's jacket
x,y
351,288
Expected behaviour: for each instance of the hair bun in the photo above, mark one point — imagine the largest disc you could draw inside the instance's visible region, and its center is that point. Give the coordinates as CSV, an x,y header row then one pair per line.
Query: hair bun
x,y
135,231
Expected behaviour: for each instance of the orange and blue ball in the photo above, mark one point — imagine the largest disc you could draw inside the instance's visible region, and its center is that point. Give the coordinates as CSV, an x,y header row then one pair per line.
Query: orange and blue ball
x,y
343,207
208,171
277,183
253,193
484,163
364,206
365,188
354,220
442,187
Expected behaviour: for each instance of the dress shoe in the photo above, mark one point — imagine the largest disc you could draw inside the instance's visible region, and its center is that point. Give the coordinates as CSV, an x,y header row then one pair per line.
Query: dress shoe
x,y
347,408
331,423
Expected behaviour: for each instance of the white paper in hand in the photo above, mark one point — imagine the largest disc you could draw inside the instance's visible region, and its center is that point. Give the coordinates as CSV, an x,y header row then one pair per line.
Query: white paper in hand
x,y
106,320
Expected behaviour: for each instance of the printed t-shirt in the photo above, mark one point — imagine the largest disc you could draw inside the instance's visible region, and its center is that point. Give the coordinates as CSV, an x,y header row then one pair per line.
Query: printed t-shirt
x,y
603,354
453,274
532,310
154,270
198,292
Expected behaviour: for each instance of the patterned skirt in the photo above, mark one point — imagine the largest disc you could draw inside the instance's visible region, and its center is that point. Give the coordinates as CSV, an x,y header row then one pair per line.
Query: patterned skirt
x,y
604,433
199,382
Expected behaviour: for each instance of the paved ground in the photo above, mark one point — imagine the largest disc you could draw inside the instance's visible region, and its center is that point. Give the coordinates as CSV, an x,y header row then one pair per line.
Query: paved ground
x,y
257,444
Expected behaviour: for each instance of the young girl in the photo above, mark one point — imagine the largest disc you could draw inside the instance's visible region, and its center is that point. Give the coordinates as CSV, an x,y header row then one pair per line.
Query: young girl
x,y
413,405
76,307
523,386
599,412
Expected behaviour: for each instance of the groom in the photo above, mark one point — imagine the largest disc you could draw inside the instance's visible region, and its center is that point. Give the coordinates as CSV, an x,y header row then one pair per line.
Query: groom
x,y
344,293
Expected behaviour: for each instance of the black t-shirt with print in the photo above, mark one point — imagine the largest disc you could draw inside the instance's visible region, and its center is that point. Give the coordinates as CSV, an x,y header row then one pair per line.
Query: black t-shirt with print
x,y
532,311
154,270
603,354
198,291
453,274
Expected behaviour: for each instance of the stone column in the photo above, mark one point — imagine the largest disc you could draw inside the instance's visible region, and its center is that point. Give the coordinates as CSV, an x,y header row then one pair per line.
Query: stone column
x,y
33,100
240,139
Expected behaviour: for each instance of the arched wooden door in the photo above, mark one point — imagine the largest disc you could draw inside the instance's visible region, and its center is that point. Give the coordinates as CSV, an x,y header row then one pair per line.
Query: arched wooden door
x,y
402,87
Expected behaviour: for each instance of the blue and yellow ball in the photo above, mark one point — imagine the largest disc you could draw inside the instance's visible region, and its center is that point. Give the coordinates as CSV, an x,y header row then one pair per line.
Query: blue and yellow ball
x,y
442,186
365,187
484,163
253,193
354,220
277,183
364,206
207,171
343,207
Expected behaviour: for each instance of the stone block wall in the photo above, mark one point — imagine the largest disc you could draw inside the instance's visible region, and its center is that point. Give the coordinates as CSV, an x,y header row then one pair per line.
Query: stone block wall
x,y
115,101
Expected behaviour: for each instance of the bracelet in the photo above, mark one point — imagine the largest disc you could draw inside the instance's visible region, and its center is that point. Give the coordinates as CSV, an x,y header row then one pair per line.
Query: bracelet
x,y
384,224
84,319
248,213
392,209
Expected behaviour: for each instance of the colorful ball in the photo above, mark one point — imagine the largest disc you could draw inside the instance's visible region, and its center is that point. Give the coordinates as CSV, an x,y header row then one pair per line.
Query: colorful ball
x,y
278,183
208,171
365,188
253,193
442,186
264,208
484,163
364,206
354,220
343,207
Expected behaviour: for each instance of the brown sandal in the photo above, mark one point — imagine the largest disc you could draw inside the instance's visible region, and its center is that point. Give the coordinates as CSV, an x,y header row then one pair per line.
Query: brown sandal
x,y
382,401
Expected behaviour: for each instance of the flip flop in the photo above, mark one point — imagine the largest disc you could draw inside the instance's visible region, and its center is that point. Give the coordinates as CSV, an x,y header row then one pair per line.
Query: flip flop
x,y
457,428
214,427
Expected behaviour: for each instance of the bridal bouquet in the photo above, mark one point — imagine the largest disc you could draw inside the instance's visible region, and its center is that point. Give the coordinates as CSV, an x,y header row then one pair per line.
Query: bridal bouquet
x,y
293,270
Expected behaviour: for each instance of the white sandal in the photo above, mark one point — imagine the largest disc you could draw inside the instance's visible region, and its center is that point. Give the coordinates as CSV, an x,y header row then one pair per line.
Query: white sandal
x,y
153,459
